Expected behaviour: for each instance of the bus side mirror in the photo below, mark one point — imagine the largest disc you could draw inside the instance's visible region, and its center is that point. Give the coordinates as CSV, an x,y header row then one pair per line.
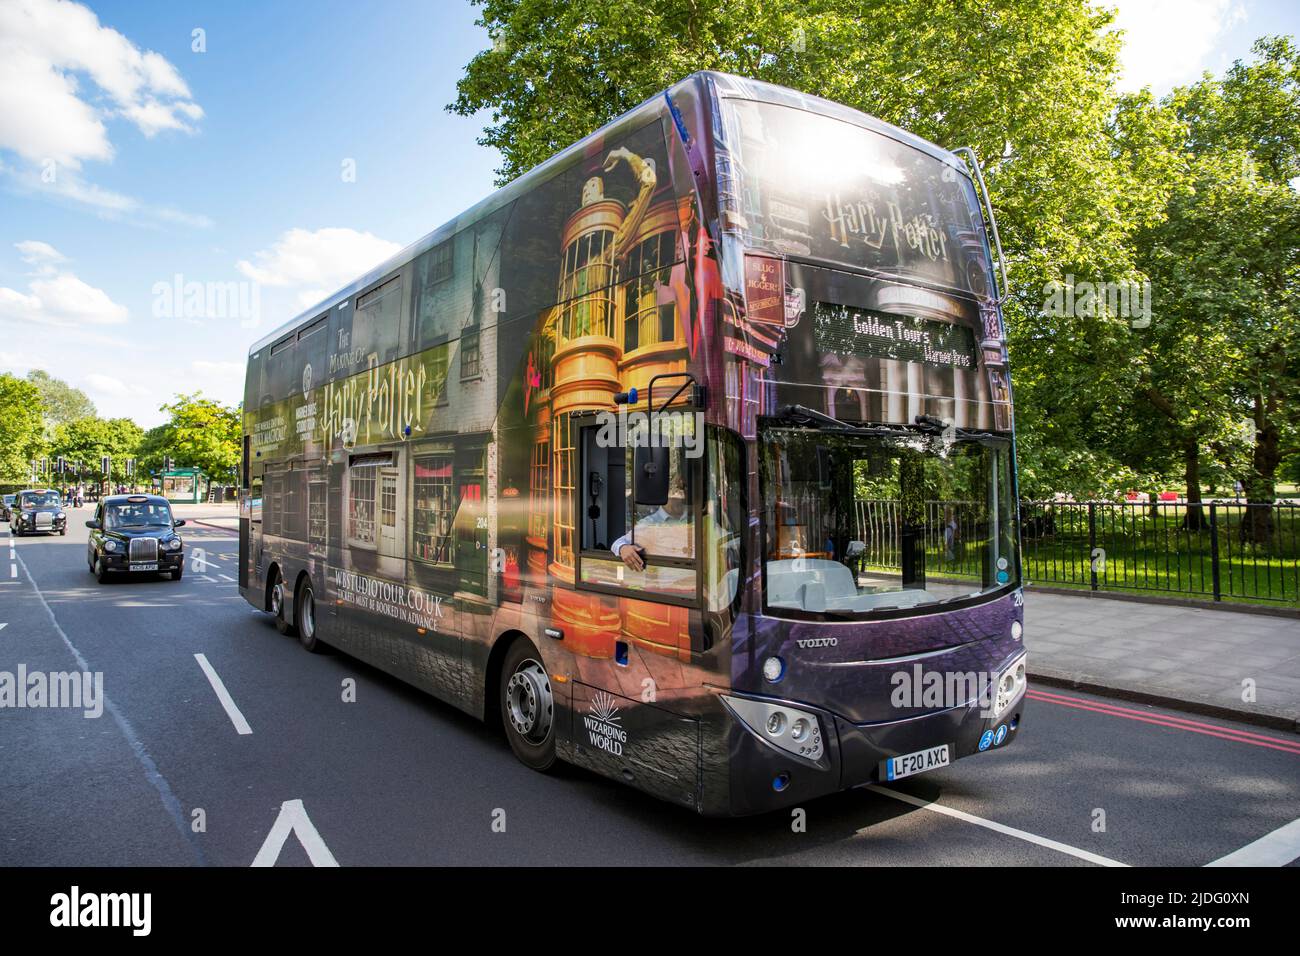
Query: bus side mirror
x,y
650,468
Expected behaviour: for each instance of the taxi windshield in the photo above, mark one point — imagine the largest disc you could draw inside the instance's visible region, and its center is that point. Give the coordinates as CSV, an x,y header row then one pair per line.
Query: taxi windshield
x,y
133,514
40,499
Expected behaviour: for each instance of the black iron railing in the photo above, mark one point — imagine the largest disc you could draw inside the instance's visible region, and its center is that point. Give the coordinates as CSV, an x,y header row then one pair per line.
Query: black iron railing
x,y
1220,550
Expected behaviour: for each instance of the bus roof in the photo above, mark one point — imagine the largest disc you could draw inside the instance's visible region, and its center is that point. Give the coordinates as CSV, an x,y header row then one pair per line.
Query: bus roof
x,y
724,85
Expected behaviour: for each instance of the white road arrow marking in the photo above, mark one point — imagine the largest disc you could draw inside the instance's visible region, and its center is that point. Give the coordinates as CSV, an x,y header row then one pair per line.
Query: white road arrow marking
x,y
293,819
1273,849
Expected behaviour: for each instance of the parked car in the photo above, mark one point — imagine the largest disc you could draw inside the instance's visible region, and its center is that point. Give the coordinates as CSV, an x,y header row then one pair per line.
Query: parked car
x,y
6,503
132,534
38,511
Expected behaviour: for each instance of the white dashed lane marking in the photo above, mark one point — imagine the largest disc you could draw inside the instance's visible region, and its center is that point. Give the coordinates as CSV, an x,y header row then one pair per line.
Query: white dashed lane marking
x,y
223,695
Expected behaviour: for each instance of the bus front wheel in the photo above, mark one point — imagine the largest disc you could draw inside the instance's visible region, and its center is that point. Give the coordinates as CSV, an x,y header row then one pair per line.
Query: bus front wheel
x,y
527,706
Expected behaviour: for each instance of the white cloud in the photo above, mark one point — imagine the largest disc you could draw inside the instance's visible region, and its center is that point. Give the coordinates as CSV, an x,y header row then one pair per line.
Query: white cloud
x,y
63,78
55,297
46,113
39,254
102,384
317,262
1168,42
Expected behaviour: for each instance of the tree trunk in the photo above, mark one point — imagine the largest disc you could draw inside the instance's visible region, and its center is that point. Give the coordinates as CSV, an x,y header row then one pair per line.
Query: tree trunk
x,y
1194,517
1261,488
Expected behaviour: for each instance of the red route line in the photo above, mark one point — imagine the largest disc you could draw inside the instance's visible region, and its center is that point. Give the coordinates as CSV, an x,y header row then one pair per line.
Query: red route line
x,y
1176,723
1045,694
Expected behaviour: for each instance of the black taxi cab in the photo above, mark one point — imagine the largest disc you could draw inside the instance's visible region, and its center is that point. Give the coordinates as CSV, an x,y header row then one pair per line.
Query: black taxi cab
x,y
38,511
134,534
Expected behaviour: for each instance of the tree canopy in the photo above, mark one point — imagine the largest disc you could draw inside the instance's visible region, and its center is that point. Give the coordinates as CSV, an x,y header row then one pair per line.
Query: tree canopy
x,y
1189,193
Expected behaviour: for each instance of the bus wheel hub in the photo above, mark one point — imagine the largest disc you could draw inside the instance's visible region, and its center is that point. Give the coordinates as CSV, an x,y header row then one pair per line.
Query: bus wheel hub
x,y
528,699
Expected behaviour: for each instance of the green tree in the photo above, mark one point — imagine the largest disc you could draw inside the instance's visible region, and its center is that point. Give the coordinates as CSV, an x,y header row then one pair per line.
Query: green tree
x,y
21,428
1028,83
60,402
1241,224
201,433
87,440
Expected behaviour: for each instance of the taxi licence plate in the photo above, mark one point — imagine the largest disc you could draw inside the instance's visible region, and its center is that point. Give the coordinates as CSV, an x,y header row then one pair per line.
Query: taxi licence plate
x,y
144,567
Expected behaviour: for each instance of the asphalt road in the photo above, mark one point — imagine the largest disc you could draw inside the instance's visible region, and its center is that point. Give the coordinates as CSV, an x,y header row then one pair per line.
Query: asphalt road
x,y
164,777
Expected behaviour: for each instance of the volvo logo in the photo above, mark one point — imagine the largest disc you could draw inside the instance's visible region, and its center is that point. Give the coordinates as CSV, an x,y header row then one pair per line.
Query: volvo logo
x,y
818,642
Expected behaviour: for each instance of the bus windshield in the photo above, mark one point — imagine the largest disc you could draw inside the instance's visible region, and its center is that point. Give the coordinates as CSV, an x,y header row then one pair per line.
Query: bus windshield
x,y
810,185
869,520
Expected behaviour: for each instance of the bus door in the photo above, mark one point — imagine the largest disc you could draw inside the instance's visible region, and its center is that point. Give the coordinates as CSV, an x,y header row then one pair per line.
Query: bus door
x,y
634,656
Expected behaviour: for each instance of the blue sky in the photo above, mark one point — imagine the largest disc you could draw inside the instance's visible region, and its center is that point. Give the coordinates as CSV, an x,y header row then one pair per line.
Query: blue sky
x,y
228,165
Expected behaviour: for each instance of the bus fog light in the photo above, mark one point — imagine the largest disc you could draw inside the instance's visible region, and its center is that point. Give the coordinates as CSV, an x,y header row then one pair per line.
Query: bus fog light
x,y
773,669
779,725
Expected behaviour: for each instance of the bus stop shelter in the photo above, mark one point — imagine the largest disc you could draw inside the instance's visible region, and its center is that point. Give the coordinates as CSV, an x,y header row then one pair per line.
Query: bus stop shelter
x,y
185,486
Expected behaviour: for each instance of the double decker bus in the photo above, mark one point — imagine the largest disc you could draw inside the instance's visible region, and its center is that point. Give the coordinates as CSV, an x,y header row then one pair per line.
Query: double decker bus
x,y
687,456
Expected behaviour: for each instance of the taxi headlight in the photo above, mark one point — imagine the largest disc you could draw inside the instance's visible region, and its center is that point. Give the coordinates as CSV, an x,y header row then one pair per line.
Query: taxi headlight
x,y
110,545
174,544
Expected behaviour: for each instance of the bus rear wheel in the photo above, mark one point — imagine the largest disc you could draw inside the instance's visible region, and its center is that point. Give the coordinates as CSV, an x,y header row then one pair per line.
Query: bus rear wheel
x,y
527,706
277,606
304,612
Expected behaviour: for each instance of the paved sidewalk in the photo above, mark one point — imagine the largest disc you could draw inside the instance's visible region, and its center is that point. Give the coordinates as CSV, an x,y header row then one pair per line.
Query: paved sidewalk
x,y
1194,658
224,515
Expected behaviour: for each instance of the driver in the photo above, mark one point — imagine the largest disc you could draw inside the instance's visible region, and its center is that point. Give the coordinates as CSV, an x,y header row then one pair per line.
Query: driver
x,y
673,513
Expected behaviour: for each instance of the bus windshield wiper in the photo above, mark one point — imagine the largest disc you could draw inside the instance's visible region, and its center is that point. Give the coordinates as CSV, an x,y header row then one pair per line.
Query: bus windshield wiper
x,y
811,418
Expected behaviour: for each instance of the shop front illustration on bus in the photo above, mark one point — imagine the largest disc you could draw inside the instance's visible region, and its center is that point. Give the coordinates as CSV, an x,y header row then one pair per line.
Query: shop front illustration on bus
x,y
688,457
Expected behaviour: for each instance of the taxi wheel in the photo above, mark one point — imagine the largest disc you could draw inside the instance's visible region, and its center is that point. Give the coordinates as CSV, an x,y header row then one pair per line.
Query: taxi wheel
x,y
304,612
101,572
178,572
277,607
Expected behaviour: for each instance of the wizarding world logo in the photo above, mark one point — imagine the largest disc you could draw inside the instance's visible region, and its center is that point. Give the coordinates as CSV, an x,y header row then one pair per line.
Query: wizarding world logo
x,y
602,724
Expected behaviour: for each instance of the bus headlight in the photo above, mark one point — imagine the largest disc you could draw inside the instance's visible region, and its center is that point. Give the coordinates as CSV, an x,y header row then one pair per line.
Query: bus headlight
x,y
1010,686
1017,630
788,728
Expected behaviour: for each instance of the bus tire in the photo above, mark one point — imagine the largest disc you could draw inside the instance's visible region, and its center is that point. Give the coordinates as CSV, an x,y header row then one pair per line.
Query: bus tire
x,y
277,606
528,706
304,615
